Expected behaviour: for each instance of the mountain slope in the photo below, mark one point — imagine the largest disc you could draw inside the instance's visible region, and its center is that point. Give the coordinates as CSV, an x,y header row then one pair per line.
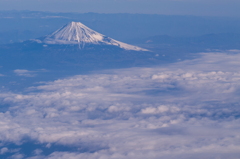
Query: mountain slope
x,y
77,33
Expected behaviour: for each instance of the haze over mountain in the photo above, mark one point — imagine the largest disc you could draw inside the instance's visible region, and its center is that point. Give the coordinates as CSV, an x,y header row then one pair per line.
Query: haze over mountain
x,y
18,26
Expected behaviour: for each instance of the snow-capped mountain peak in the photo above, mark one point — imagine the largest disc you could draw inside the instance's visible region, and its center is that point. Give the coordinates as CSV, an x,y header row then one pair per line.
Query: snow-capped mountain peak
x,y
78,33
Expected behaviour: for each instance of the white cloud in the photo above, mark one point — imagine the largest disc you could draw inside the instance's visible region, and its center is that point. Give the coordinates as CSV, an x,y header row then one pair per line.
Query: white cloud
x,y
17,156
25,73
4,150
152,110
183,110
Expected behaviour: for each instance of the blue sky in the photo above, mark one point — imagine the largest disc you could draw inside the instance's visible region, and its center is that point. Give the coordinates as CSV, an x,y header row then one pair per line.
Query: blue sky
x,y
176,7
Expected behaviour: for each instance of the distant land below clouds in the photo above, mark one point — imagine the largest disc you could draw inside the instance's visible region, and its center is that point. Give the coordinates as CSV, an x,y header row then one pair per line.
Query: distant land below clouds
x,y
223,41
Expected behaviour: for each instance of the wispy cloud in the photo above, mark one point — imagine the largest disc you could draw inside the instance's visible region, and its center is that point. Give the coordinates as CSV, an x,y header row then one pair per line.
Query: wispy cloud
x,y
26,73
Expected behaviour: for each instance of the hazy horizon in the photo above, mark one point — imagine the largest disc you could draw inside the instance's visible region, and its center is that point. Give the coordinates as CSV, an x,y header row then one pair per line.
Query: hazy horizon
x,y
165,7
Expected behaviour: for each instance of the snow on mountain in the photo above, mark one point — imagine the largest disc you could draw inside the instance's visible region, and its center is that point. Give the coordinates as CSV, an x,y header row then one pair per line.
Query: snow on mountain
x,y
77,33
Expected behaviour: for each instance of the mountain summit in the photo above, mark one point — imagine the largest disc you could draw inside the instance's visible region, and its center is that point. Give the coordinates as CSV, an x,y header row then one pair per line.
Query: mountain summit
x,y
77,33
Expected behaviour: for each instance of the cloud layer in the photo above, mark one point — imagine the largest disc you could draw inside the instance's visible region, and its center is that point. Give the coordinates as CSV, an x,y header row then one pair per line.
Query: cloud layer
x,y
185,110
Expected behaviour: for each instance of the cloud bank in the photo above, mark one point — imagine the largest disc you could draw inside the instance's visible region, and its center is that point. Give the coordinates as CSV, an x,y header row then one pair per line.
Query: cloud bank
x,y
189,109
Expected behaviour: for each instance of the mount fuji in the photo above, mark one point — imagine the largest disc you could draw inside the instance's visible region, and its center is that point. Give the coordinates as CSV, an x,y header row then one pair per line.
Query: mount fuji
x,y
78,33
72,48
